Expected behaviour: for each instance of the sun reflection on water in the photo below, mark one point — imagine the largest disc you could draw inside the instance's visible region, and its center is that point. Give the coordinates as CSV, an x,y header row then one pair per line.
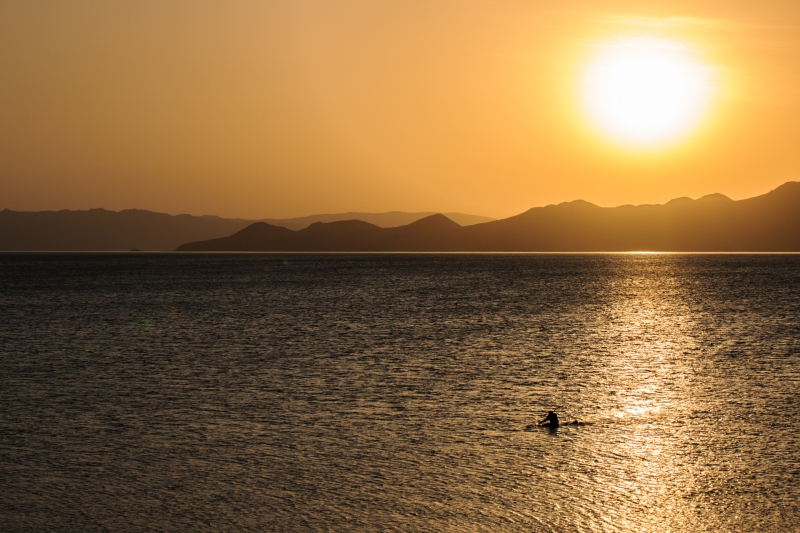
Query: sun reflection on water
x,y
643,330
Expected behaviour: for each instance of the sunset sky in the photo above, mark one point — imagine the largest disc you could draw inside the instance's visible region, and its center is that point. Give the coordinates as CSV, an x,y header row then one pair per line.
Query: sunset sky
x,y
259,109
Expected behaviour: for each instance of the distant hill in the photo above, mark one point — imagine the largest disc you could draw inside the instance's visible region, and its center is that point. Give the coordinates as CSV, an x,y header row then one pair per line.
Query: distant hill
x,y
426,234
713,223
103,230
383,220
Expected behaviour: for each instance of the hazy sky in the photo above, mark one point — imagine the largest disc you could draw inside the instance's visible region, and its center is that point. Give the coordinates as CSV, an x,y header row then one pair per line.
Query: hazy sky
x,y
286,108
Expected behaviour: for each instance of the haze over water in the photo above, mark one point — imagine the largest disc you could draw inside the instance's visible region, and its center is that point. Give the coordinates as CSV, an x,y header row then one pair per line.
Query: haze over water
x,y
274,392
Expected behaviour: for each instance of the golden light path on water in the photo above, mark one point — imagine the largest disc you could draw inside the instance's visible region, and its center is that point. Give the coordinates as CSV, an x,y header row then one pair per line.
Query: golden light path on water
x,y
654,465
643,323
641,334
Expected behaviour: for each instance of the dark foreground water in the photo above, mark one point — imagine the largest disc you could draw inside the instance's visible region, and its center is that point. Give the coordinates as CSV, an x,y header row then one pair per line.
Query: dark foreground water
x,y
392,392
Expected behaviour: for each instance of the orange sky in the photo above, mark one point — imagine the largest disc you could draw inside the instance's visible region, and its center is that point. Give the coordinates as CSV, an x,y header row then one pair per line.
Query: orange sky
x,y
286,108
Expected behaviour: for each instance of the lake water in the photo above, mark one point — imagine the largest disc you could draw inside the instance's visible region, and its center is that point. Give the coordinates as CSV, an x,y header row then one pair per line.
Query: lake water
x,y
287,392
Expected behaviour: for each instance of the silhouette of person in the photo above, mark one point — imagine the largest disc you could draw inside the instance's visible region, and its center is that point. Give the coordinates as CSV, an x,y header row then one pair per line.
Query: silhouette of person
x,y
551,420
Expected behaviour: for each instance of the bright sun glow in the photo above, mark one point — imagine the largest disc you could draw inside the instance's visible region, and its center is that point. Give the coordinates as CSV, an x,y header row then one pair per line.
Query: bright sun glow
x,y
645,92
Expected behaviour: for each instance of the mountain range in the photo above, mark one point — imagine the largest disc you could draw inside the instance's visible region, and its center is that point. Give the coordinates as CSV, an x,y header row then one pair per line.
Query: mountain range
x,y
103,230
383,220
713,223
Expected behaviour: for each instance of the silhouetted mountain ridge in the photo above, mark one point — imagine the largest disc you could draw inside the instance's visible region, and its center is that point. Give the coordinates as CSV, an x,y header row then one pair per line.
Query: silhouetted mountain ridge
x,y
389,219
713,223
104,230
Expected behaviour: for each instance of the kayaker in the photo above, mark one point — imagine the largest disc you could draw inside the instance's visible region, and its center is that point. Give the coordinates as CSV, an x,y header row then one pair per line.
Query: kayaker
x,y
551,420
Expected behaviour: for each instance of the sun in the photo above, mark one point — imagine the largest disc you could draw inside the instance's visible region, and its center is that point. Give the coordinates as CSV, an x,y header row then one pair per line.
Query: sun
x,y
645,92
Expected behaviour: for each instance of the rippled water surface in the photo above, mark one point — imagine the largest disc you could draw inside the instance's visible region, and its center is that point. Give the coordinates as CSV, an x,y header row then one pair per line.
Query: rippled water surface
x,y
392,392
